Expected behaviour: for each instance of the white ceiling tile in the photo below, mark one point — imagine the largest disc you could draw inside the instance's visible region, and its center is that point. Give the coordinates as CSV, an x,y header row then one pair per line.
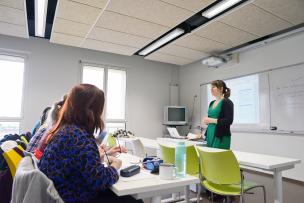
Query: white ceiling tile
x,y
69,40
19,4
290,10
109,47
70,27
77,12
118,37
165,58
191,5
153,11
95,3
183,52
201,44
13,30
123,23
226,34
12,15
255,20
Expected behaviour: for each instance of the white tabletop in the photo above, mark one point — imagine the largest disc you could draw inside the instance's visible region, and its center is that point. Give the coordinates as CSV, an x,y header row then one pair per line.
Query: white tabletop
x,y
146,182
263,161
260,161
167,140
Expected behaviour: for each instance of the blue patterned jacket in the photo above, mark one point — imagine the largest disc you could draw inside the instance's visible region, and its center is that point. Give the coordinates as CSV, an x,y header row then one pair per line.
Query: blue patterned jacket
x,y
72,161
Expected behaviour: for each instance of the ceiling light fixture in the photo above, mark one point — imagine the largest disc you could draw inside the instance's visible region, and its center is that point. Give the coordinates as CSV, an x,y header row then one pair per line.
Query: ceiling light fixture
x,y
40,17
220,7
167,38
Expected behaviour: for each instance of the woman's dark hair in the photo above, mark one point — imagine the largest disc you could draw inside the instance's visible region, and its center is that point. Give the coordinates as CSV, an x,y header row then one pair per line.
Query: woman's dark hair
x,y
60,103
83,107
53,114
44,115
220,84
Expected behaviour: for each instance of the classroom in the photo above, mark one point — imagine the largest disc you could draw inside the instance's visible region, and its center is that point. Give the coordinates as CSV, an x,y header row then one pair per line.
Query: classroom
x,y
146,80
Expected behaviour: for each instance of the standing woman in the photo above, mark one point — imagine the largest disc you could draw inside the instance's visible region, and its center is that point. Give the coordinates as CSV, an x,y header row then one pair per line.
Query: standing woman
x,y
72,159
220,117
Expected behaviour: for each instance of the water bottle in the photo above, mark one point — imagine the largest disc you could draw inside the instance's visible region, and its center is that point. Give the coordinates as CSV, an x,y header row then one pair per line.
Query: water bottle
x,y
180,160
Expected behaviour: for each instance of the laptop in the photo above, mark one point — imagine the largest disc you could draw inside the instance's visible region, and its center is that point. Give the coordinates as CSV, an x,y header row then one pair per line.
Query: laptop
x,y
173,133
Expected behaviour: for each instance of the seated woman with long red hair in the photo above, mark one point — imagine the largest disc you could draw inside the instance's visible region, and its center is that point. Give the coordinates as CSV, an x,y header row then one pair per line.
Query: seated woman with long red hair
x,y
72,159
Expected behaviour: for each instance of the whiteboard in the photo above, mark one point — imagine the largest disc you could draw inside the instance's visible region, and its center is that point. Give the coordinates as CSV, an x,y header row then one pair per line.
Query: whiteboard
x,y
280,98
287,98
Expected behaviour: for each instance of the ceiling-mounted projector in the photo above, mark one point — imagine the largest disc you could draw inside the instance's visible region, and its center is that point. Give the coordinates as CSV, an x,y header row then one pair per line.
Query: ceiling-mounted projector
x,y
214,61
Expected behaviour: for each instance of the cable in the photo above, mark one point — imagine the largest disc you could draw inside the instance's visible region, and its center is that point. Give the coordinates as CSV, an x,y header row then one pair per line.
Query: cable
x,y
193,105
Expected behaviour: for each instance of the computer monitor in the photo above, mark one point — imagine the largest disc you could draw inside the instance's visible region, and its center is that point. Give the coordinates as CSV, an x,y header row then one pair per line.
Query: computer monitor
x,y
175,115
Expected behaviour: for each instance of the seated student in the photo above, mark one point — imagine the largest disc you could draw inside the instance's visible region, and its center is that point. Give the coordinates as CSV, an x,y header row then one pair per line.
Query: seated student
x,y
42,120
72,159
50,120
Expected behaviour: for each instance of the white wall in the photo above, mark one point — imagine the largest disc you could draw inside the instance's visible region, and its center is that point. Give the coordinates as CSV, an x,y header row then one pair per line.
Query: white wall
x,y
277,54
53,69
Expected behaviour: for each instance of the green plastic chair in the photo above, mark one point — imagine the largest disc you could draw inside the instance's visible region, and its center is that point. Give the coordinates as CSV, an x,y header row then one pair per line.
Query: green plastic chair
x,y
192,163
111,141
220,173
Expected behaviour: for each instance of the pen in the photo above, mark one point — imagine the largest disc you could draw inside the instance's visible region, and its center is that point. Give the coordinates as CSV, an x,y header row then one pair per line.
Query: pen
x,y
109,163
118,144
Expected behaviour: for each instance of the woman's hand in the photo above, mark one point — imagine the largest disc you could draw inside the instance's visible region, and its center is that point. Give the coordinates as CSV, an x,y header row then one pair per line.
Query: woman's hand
x,y
208,120
102,151
112,151
116,163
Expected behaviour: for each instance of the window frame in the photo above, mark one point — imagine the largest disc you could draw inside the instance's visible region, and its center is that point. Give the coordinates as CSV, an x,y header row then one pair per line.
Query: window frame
x,y
106,67
25,57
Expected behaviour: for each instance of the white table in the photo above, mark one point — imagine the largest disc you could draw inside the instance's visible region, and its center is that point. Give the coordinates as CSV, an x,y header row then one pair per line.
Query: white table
x,y
269,163
147,185
253,161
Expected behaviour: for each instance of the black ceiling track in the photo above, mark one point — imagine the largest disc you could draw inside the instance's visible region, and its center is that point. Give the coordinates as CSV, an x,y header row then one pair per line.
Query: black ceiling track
x,y
50,18
263,39
191,24
30,9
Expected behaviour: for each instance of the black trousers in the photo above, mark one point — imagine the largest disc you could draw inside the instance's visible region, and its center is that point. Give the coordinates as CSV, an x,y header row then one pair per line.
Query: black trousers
x,y
108,196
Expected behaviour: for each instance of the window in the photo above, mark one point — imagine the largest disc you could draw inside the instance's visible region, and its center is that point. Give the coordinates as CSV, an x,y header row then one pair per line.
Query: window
x,y
93,75
116,94
11,88
112,81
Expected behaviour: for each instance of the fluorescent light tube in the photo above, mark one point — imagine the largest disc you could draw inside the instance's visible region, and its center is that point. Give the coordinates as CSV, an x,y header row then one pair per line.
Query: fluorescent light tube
x,y
218,8
171,35
40,17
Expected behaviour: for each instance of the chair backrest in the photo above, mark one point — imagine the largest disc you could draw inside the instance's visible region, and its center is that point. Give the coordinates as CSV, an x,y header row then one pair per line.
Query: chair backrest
x,y
111,141
31,185
13,157
220,167
138,148
192,162
168,153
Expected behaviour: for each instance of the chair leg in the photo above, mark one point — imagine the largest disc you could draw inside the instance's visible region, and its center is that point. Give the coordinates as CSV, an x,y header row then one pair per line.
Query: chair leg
x,y
198,192
212,197
264,193
242,199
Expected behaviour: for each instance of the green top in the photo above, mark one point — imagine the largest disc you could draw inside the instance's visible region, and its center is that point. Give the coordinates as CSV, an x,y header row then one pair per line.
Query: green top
x,y
212,140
